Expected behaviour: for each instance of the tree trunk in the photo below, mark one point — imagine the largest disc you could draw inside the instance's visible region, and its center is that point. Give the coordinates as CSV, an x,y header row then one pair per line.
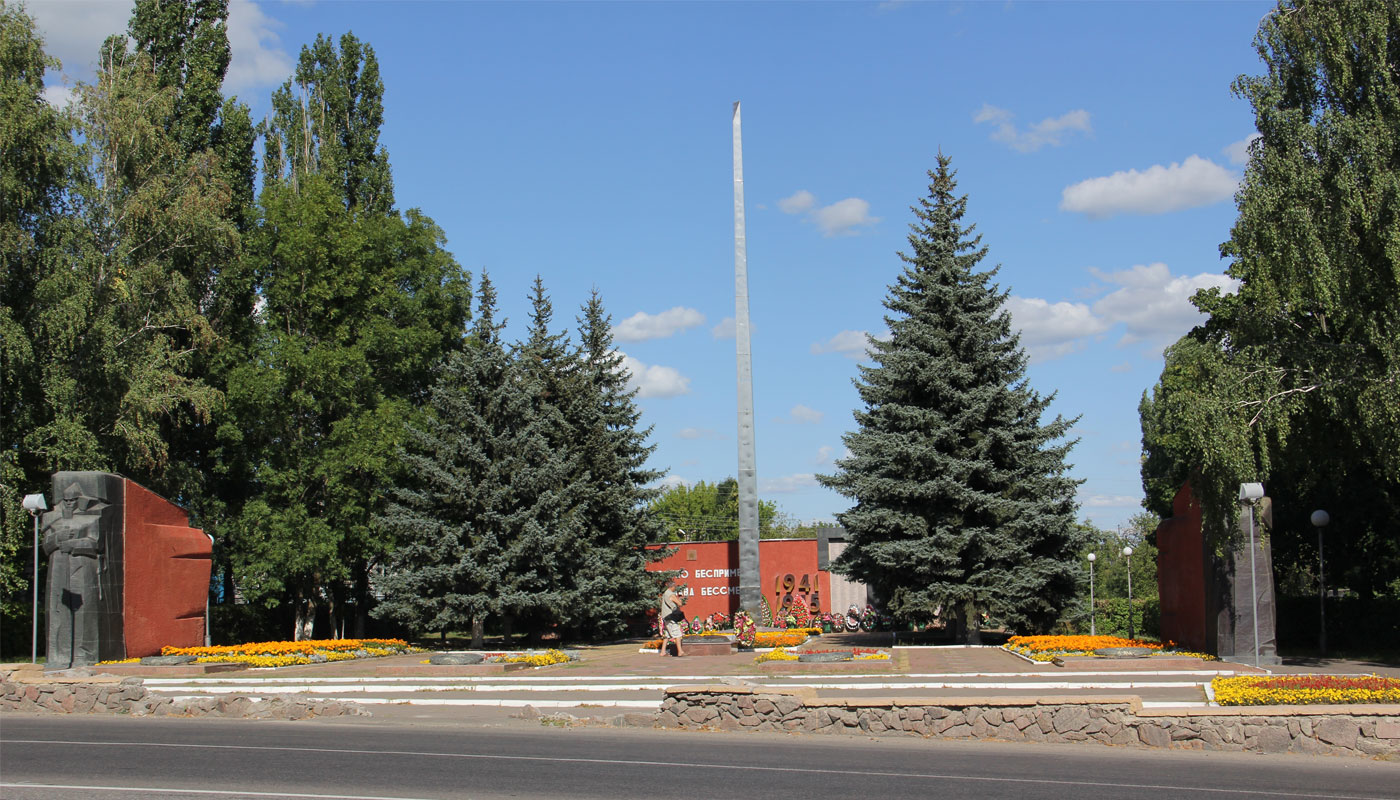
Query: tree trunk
x,y
974,625
361,599
479,632
305,623
333,615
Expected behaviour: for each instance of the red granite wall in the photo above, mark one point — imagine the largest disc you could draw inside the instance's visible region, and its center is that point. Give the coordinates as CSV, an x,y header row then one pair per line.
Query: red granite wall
x,y
1181,577
166,579
710,571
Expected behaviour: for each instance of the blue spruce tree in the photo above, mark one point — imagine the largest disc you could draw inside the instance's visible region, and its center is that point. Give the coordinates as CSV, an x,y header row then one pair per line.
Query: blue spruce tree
x,y
961,502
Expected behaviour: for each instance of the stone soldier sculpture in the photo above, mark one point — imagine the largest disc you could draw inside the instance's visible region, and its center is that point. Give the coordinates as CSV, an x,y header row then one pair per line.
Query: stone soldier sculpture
x,y
73,543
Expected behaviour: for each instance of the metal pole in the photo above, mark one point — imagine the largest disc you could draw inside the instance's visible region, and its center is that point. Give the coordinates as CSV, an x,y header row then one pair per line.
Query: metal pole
x,y
748,472
1253,585
1130,595
1321,597
1092,630
34,636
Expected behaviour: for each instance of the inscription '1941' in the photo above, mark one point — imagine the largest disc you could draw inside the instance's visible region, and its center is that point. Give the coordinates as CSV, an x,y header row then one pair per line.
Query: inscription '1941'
x,y
788,589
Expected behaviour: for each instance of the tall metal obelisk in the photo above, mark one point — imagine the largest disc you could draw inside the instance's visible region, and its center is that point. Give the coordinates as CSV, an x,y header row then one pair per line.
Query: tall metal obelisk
x,y
748,472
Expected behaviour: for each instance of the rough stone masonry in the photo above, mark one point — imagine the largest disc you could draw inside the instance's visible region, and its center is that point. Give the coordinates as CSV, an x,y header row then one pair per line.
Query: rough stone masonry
x,y
33,690
1358,730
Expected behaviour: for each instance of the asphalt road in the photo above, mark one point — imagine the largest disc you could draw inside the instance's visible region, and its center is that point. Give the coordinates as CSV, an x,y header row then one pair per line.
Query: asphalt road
x,y
84,757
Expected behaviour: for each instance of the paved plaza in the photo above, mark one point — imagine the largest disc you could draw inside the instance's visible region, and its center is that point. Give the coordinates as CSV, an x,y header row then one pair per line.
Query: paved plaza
x,y
620,678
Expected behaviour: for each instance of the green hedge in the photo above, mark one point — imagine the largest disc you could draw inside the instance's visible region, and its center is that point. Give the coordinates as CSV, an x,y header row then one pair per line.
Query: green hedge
x,y
1111,617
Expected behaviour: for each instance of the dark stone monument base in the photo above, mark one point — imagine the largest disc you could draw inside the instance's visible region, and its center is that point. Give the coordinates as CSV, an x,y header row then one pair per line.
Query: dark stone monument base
x,y
709,646
1247,659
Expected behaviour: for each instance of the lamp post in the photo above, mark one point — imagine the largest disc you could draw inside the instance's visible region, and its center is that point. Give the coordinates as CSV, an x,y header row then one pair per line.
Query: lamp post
x,y
1320,519
35,505
1128,554
1092,631
1251,493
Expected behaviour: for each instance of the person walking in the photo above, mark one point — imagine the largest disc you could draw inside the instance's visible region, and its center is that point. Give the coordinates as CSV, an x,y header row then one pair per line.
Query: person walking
x,y
670,619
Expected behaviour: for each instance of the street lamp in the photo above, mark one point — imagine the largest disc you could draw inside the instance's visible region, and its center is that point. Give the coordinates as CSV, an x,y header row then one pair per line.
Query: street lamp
x,y
1320,519
1128,554
1251,493
1092,558
35,505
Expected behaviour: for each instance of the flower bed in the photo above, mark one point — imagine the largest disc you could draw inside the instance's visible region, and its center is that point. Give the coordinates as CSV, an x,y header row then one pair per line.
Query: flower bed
x,y
1048,648
787,638
1287,690
543,659
285,654
857,654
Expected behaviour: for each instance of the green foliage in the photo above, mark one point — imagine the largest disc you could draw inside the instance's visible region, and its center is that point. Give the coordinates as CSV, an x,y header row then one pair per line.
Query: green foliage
x,y
525,488
115,231
37,161
961,498
1295,378
326,121
1111,617
611,583
450,511
709,512
357,311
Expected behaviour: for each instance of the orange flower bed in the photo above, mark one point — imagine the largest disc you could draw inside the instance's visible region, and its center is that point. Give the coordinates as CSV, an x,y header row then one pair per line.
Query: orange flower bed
x,y
306,647
1066,644
1044,648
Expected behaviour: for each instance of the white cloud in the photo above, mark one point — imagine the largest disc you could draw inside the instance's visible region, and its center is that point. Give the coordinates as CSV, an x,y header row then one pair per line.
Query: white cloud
x,y
1150,303
58,96
1154,305
1110,501
1156,190
844,216
796,203
74,29
671,482
1238,152
642,326
824,454
851,344
804,415
257,55
787,484
724,330
1052,131
698,433
653,380
1051,330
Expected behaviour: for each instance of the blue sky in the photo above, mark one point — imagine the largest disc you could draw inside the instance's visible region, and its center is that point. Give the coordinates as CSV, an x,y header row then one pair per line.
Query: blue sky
x,y
589,143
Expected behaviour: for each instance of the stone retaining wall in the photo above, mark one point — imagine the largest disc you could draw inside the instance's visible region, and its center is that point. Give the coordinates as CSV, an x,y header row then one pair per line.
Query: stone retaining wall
x,y
34,691
1361,730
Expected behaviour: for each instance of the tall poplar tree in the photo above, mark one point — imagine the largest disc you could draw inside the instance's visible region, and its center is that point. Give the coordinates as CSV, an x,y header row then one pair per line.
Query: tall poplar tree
x,y
39,162
961,500
359,305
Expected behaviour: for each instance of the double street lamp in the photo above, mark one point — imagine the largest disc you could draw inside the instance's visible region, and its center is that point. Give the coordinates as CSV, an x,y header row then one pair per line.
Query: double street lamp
x,y
1320,519
35,505
1092,558
1128,554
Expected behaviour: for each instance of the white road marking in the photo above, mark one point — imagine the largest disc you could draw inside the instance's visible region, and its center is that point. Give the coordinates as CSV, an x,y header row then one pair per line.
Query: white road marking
x,y
150,790
844,772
